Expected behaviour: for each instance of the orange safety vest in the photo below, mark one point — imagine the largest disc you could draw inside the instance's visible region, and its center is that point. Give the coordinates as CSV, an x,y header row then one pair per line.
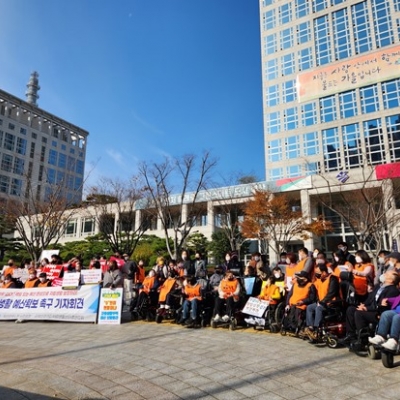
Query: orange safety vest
x,y
361,282
322,287
270,293
299,293
193,292
140,274
165,289
44,284
9,270
31,283
229,287
148,284
7,285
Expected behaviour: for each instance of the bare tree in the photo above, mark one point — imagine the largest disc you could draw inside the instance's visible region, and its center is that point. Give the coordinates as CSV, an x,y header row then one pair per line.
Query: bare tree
x,y
173,186
113,205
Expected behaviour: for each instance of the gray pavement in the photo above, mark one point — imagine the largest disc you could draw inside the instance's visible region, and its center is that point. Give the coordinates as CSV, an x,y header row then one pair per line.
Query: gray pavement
x,y
139,360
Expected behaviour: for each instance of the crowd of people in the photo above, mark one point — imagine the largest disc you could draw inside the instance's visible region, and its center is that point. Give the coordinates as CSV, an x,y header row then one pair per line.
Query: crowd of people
x,y
307,283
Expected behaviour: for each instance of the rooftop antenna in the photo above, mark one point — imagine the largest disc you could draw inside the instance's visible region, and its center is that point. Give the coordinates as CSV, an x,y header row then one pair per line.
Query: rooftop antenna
x,y
33,87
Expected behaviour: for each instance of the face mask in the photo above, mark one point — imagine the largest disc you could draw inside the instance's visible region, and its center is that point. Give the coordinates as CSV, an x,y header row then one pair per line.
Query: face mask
x,y
277,275
227,258
197,258
337,259
301,257
42,279
257,258
320,261
315,255
283,260
318,276
184,257
358,260
10,264
343,249
7,281
382,278
391,263
301,282
287,261
381,260
31,276
140,263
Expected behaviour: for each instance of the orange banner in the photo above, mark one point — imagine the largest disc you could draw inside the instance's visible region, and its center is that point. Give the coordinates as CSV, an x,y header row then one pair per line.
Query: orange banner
x,y
375,67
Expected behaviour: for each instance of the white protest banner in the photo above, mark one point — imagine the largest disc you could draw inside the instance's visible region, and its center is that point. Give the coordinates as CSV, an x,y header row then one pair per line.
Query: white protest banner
x,y
110,308
255,307
21,273
71,280
90,276
48,253
50,303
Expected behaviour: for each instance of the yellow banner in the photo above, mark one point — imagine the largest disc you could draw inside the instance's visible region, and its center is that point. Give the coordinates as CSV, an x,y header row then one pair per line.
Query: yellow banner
x,y
375,67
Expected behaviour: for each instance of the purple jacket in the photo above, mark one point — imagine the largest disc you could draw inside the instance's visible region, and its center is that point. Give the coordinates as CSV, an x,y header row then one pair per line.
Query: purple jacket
x,y
394,302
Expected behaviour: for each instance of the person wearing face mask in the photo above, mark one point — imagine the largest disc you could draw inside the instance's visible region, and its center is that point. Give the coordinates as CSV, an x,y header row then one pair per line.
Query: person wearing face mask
x,y
216,278
282,261
11,267
129,267
301,294
140,272
251,282
394,261
8,282
305,263
33,280
193,296
345,249
292,268
340,264
199,266
228,294
363,275
382,265
187,263
43,281
327,287
358,317
257,262
321,260
148,288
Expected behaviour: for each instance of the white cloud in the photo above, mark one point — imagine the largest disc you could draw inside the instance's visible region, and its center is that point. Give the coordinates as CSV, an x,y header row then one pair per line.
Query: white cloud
x,y
147,125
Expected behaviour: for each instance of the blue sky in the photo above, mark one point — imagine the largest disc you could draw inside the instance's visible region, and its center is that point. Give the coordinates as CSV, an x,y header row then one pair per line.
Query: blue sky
x,y
146,78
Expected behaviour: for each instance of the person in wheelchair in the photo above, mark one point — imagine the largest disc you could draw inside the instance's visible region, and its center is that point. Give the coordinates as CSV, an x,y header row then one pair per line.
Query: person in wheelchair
x,y
149,285
301,294
170,295
228,294
193,297
359,317
327,288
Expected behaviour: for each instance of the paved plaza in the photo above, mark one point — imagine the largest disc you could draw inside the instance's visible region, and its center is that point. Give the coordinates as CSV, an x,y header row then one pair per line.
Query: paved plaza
x,y
139,360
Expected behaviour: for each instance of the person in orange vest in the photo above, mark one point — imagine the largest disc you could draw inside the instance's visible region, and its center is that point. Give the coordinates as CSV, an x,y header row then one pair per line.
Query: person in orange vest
x,y
306,263
363,275
193,296
44,282
8,282
327,286
140,272
33,280
228,293
149,286
11,267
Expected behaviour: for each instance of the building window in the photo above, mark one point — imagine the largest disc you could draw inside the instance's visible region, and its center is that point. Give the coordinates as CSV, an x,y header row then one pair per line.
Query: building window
x,y
6,162
305,58
21,146
63,147
292,147
19,165
322,40
11,126
312,168
272,69
22,131
16,186
62,160
9,141
374,141
293,171
53,157
273,122
79,167
369,99
44,140
275,174
40,176
34,135
361,27
319,5
32,152
4,184
310,144
286,37
273,95
393,129
54,143
51,176
269,20
351,145
285,13
348,104
70,182
289,91
341,34
382,23
328,109
309,114
288,65
290,119
42,153
302,8
275,150
55,133
330,140
78,183
70,228
87,226
303,32
391,94
1,138
397,5
270,44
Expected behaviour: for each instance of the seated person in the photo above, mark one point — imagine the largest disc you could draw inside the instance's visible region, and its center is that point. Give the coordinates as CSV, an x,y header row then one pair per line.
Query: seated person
x,y
167,297
251,282
301,294
228,293
8,282
389,324
150,284
366,313
216,278
33,280
44,282
327,287
192,292
113,277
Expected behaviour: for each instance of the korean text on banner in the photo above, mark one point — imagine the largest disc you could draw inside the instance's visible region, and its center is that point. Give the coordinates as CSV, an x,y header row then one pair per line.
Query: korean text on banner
x,y
110,309
50,303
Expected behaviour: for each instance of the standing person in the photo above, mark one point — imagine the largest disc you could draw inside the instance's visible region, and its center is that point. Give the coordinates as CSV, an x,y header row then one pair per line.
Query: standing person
x,y
200,266
187,263
340,264
382,264
363,275
140,272
234,265
113,277
225,265
345,248
291,269
257,262
129,268
306,263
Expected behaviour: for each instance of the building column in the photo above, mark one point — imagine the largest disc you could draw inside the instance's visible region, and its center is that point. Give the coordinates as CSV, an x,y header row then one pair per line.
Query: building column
x,y
138,219
184,213
210,216
306,211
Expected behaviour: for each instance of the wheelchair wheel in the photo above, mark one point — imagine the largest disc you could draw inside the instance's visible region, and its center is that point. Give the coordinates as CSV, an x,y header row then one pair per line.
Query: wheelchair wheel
x,y
233,324
387,359
159,318
279,313
213,324
332,342
373,352
203,322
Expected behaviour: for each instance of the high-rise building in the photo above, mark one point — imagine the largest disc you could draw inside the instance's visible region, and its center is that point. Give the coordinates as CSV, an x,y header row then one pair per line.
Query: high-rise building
x,y
38,150
331,85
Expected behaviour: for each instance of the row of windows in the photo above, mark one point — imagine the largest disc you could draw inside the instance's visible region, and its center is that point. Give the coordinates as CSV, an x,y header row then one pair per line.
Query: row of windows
x,y
63,161
343,105
10,186
87,227
349,146
12,164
